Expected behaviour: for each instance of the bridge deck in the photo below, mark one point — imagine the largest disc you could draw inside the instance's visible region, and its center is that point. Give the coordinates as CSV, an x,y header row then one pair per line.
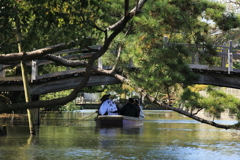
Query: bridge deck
x,y
57,82
52,82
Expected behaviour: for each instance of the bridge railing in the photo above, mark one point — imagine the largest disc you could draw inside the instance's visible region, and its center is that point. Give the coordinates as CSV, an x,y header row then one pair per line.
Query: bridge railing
x,y
70,54
226,52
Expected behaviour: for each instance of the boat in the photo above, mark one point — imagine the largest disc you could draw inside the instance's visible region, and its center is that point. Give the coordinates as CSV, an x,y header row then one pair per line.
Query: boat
x,y
118,121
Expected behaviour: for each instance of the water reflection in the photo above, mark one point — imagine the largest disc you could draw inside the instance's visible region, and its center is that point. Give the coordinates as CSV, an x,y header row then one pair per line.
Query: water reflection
x,y
133,131
107,131
164,135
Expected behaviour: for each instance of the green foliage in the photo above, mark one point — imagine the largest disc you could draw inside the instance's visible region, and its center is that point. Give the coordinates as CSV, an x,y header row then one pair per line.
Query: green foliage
x,y
236,64
50,68
71,106
191,100
93,89
121,90
54,95
158,67
67,107
215,103
228,21
197,87
46,22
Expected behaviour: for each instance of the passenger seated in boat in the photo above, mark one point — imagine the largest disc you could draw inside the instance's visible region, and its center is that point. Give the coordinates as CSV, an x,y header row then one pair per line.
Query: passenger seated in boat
x,y
130,109
136,102
107,107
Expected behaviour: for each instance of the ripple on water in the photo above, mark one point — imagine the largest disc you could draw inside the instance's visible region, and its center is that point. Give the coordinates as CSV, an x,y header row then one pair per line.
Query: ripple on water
x,y
175,152
227,122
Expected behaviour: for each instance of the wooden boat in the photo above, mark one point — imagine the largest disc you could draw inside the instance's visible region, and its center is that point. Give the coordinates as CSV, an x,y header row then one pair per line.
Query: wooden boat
x,y
118,121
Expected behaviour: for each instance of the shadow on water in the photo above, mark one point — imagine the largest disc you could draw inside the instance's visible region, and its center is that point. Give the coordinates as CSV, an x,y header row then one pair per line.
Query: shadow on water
x,y
108,131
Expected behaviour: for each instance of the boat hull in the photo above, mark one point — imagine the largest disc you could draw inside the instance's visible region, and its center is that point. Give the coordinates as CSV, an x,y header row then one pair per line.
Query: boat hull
x,y
118,121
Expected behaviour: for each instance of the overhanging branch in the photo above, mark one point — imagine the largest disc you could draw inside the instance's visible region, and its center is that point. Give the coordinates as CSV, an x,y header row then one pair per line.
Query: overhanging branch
x,y
68,63
55,48
169,107
13,57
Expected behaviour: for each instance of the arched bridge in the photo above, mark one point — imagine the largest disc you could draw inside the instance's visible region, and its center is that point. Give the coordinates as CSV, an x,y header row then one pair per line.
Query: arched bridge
x,y
52,82
57,82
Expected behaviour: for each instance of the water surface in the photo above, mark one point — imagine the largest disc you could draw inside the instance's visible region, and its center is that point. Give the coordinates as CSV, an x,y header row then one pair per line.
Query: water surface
x,y
165,135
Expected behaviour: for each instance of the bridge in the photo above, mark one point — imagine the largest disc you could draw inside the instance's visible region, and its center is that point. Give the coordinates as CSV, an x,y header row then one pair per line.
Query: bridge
x,y
222,75
57,81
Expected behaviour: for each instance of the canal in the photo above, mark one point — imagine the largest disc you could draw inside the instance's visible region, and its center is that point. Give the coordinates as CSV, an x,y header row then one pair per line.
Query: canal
x,y
165,135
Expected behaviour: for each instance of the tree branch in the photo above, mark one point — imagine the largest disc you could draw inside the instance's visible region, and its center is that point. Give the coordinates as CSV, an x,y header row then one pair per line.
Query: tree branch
x,y
170,107
13,57
69,63
197,111
126,7
45,51
132,13
116,61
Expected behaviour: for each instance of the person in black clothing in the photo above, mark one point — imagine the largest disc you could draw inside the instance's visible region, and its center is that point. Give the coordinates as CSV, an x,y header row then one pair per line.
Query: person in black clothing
x,y
136,103
129,109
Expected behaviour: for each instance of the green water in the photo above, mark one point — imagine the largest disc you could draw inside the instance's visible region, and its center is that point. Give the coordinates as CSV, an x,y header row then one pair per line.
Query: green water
x,y
165,135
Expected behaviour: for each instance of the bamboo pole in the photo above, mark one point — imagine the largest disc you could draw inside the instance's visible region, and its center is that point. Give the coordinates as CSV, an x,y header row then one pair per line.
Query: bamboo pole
x,y
25,81
27,96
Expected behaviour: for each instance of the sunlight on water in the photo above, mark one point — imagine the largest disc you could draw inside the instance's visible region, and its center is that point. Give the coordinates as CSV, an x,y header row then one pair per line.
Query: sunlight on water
x,y
165,135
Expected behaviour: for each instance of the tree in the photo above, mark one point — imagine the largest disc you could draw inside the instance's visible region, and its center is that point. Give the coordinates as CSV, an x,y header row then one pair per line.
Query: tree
x,y
140,44
214,103
88,20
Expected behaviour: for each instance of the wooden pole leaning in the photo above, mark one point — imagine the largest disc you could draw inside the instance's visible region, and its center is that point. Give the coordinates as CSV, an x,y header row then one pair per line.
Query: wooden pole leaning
x,y
25,81
27,96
